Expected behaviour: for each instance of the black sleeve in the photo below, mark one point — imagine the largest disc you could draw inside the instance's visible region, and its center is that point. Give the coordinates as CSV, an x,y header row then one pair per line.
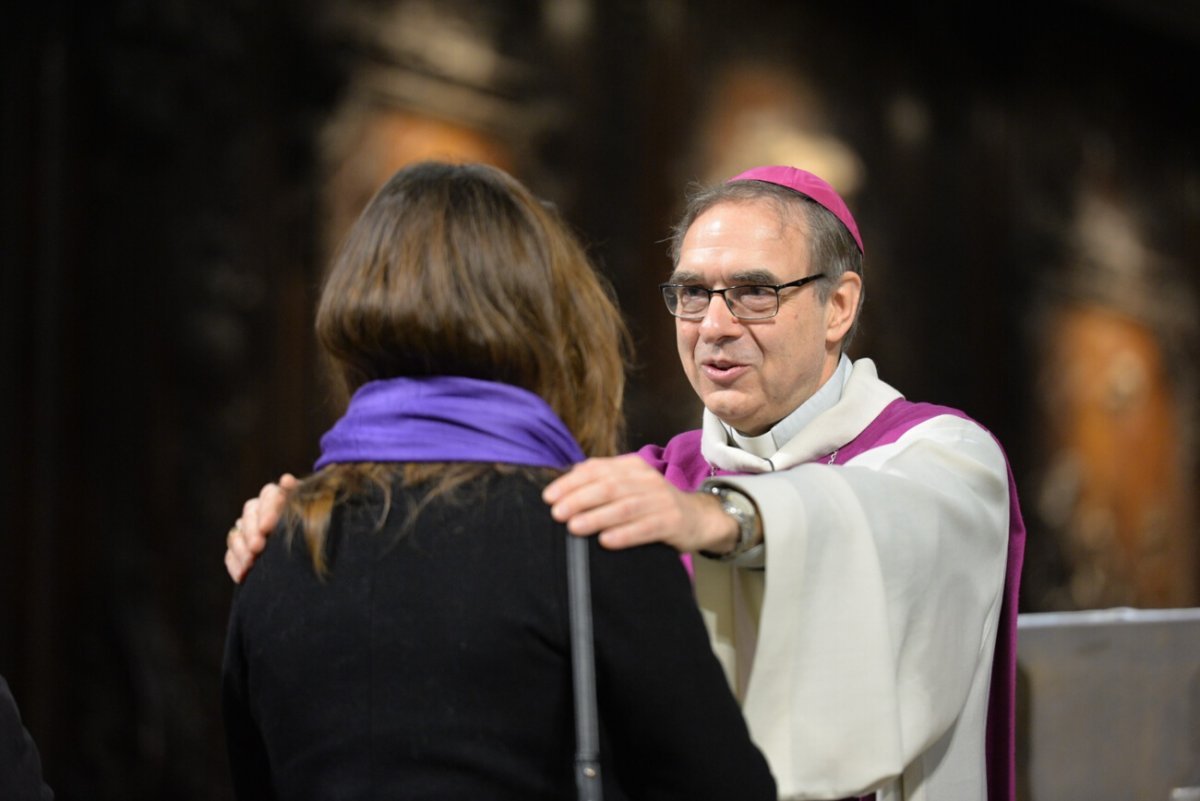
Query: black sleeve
x,y
248,762
20,764
670,720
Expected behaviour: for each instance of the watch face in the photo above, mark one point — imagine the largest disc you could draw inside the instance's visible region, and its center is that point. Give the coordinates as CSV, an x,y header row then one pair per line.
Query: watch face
x,y
738,506
738,501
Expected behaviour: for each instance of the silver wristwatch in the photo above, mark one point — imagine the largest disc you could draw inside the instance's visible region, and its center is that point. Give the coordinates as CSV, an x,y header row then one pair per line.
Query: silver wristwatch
x,y
738,506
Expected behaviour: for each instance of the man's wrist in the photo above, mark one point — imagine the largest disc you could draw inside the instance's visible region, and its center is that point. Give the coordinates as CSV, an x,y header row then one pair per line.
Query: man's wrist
x,y
738,506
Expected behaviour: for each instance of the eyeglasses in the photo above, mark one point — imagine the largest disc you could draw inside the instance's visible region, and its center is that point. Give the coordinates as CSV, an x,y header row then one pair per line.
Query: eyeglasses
x,y
747,302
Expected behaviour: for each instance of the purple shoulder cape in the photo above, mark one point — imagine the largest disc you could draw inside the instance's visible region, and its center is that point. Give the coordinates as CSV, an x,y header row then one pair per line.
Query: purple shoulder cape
x,y
683,465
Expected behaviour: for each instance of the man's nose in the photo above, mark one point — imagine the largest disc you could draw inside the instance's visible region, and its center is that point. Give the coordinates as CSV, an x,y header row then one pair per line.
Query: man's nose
x,y
718,320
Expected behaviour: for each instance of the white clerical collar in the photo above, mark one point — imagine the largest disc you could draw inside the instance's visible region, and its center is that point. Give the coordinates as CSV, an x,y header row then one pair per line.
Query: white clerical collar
x,y
765,445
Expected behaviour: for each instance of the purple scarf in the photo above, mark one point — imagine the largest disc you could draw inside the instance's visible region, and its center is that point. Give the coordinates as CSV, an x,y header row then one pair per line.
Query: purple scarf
x,y
448,419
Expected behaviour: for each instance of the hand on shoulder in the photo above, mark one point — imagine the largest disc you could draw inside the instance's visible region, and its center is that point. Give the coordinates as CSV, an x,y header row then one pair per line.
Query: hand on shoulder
x,y
248,536
627,503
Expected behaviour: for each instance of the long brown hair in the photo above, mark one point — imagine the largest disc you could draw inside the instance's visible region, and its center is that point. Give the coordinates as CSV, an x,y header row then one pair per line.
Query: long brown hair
x,y
457,269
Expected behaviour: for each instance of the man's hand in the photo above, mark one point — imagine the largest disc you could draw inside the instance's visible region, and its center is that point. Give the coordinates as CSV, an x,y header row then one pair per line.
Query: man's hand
x,y
248,536
629,503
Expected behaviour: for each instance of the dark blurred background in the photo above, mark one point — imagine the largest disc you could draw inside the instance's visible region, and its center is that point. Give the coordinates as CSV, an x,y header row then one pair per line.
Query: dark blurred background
x,y
1026,177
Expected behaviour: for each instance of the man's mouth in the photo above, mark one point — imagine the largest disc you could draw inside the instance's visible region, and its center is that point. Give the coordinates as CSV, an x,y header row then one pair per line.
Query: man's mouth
x,y
723,371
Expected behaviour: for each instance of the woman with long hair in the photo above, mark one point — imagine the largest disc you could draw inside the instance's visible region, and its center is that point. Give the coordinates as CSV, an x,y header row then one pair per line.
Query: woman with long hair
x,y
407,636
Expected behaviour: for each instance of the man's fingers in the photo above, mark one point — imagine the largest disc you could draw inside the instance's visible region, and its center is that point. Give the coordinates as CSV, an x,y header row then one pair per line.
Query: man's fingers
x,y
268,507
236,570
577,503
570,481
592,471
248,536
237,552
636,532
623,499
249,520
603,507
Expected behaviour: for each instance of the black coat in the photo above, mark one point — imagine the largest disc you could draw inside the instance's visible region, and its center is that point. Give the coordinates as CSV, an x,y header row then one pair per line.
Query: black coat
x,y
435,664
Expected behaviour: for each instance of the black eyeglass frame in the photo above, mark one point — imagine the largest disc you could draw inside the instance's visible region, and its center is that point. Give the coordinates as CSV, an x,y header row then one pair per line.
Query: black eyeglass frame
x,y
667,296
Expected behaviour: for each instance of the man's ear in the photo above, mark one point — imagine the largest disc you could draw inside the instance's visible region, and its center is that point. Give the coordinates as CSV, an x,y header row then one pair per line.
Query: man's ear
x,y
842,307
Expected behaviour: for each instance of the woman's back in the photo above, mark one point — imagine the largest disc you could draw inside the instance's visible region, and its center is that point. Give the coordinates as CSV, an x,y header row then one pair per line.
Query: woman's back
x,y
436,663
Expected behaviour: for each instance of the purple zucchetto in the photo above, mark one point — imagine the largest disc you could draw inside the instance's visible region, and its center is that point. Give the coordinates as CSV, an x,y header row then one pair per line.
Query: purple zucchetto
x,y
810,186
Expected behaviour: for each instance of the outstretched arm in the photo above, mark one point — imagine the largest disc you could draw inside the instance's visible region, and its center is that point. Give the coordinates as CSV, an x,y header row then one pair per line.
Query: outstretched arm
x,y
627,502
248,536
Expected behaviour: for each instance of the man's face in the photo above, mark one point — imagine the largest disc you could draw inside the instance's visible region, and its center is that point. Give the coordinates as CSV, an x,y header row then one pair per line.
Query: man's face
x,y
753,373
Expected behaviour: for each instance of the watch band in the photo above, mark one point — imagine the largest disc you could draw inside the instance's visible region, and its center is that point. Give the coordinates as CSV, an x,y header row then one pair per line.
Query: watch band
x,y
737,505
